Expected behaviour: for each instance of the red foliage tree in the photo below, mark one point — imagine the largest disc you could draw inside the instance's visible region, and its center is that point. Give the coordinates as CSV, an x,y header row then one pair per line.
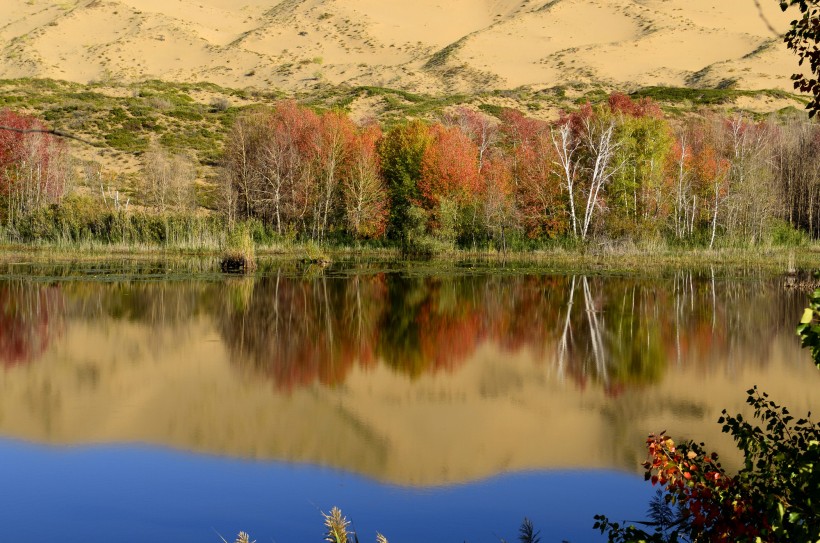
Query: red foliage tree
x,y
481,129
33,166
645,107
540,202
500,211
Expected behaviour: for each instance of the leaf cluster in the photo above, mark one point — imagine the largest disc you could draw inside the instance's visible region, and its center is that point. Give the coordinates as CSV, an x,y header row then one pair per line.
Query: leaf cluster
x,y
803,38
809,327
774,497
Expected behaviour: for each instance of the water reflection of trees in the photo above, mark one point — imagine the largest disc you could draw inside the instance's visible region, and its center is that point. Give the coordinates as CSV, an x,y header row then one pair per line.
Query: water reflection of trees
x,y
613,331
616,331
157,303
31,317
33,313
298,331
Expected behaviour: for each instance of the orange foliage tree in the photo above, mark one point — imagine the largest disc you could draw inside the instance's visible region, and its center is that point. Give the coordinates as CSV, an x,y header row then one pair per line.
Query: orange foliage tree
x,y
450,180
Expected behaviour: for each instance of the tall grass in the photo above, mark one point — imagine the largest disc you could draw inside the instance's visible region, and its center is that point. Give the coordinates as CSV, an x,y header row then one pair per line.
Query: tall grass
x,y
239,255
79,223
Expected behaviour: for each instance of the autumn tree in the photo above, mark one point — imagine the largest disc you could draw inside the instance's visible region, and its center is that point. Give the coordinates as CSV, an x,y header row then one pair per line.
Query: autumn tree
x,y
364,191
270,166
333,150
481,129
305,174
242,166
34,166
567,143
713,170
703,176
797,172
592,132
290,186
753,200
499,208
450,181
168,180
493,212
679,174
639,195
535,184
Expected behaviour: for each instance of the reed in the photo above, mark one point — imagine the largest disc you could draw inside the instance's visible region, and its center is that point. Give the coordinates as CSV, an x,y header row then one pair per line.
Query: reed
x,y
239,255
337,530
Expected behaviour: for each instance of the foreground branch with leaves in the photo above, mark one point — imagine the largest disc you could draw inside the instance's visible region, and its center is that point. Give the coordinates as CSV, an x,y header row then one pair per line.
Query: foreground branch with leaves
x,y
774,496
809,328
803,38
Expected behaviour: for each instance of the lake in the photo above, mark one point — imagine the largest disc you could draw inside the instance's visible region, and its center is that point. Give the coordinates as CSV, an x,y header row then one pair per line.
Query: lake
x,y
142,402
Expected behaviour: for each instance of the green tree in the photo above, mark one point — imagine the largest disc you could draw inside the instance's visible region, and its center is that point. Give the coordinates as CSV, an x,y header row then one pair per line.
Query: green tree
x,y
402,154
638,198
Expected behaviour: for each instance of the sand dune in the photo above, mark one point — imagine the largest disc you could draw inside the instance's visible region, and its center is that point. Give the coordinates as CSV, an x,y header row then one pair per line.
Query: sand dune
x,y
425,45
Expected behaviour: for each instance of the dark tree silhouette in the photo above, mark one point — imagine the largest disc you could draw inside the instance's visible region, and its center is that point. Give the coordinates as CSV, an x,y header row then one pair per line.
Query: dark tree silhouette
x,y
804,39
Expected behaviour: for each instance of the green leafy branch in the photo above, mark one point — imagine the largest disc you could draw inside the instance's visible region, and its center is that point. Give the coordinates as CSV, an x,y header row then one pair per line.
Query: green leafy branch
x,y
809,327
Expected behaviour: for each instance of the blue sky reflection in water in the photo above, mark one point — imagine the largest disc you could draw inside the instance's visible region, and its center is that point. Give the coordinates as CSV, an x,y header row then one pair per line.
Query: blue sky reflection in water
x,y
137,494
441,407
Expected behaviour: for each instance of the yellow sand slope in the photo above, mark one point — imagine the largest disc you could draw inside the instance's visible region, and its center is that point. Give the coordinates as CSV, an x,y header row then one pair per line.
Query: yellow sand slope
x,y
424,45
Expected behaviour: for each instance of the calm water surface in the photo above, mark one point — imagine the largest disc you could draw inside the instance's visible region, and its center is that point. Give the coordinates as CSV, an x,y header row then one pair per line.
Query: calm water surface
x,y
148,406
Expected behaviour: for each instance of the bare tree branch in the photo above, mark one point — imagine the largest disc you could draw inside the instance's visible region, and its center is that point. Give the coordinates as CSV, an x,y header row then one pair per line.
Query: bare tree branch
x,y
57,133
766,21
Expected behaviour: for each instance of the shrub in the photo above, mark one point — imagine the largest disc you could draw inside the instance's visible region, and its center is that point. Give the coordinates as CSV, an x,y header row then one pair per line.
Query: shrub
x,y
772,498
785,235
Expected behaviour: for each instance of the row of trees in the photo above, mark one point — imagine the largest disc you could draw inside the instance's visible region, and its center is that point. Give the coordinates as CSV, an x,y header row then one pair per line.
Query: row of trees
x,y
619,169
305,173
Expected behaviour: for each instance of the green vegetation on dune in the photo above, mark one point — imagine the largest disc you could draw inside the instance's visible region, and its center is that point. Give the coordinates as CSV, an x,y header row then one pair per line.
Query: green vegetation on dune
x,y
695,97
158,108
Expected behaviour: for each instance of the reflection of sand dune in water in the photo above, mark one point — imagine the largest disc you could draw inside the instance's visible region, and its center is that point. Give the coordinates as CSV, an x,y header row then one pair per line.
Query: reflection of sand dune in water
x,y
115,381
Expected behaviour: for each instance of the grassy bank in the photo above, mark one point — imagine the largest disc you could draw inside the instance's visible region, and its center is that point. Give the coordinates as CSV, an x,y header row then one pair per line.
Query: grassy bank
x,y
271,252
84,228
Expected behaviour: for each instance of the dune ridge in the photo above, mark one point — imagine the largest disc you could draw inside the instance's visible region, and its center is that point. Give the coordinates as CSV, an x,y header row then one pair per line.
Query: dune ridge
x,y
426,46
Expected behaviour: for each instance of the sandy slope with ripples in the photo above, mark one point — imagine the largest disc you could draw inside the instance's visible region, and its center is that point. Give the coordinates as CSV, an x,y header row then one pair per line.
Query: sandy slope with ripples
x,y
423,45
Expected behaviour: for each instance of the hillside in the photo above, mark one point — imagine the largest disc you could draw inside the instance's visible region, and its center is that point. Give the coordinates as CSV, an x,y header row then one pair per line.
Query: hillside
x,y
427,46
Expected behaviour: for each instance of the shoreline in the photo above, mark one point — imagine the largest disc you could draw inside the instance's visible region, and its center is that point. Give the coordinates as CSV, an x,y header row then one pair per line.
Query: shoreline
x,y
631,259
